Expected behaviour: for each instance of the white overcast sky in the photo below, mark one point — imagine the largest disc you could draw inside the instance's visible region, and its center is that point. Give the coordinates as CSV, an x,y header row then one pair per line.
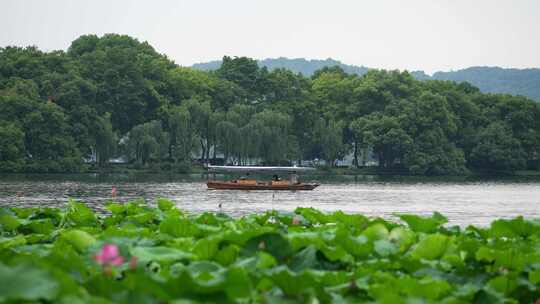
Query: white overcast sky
x,y
428,35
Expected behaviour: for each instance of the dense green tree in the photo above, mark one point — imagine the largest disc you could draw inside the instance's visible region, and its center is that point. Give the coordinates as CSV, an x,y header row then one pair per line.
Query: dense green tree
x,y
497,149
12,151
385,135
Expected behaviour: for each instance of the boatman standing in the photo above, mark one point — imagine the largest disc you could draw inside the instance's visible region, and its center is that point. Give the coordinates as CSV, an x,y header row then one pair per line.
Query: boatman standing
x,y
293,178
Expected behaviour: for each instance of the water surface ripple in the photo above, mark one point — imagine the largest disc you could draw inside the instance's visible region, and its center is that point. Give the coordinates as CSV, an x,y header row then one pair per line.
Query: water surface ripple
x,y
463,203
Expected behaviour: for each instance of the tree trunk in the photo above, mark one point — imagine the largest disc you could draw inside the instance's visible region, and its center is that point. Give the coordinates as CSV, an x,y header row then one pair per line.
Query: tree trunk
x,y
203,150
207,156
355,153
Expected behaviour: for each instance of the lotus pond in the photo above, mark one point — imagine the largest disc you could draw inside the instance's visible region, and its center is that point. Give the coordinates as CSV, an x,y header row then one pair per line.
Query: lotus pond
x,y
139,254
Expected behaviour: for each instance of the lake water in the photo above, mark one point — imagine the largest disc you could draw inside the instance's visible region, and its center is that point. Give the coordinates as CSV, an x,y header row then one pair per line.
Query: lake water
x,y
463,201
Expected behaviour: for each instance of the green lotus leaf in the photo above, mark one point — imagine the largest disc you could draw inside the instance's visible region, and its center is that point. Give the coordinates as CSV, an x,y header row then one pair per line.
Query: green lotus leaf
x,y
359,247
199,267
178,227
9,222
431,247
265,260
503,284
165,204
141,218
506,258
292,284
41,226
273,243
26,283
467,291
425,288
534,276
300,240
79,239
336,253
238,284
376,231
212,219
312,215
403,238
79,215
354,221
41,250
161,254
203,230
206,248
128,231
24,213
6,242
115,208
517,227
424,224
227,255
305,259
385,248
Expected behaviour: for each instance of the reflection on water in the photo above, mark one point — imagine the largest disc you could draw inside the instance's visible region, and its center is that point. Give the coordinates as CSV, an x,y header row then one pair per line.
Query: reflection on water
x,y
462,201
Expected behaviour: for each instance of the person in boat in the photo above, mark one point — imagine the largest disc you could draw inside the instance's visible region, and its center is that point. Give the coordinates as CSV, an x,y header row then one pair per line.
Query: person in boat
x,y
293,178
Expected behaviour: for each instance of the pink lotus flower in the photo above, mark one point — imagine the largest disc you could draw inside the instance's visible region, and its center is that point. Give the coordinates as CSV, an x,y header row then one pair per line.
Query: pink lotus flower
x,y
109,255
296,221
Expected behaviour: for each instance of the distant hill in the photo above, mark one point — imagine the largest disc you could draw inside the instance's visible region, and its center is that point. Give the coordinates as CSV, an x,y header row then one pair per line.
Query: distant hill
x,y
489,79
498,80
297,65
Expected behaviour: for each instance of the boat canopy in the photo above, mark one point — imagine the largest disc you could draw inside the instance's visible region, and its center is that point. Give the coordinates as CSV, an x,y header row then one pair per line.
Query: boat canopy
x,y
259,169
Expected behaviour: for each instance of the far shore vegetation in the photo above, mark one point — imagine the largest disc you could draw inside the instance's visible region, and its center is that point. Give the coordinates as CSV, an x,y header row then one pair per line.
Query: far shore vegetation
x,y
113,98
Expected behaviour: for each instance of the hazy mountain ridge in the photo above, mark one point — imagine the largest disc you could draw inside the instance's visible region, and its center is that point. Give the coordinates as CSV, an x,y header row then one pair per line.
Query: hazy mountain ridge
x,y
489,79
298,65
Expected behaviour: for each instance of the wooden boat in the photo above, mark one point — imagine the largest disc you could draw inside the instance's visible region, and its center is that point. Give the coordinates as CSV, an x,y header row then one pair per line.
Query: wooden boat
x,y
258,185
251,184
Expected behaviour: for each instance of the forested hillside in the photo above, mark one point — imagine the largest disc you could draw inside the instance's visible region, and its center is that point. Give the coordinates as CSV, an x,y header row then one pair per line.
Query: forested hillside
x,y
524,82
113,95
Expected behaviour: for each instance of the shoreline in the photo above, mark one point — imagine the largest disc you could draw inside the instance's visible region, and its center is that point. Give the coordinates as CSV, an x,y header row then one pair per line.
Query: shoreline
x,y
322,171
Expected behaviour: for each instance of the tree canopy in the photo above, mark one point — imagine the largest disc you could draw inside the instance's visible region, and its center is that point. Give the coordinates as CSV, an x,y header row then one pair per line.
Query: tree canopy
x,y
116,96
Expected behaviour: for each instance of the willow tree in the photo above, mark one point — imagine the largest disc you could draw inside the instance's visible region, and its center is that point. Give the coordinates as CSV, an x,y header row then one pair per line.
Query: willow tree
x,y
228,137
183,134
273,130
146,142
105,140
329,138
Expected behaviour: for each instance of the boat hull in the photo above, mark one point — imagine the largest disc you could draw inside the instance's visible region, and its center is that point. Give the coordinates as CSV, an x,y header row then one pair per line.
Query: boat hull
x,y
232,185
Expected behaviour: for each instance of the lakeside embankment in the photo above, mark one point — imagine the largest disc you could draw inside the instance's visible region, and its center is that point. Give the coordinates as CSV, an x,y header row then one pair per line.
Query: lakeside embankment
x,y
322,171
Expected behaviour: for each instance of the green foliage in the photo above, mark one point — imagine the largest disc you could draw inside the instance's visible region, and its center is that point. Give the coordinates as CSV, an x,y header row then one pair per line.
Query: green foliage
x,y
498,149
80,240
168,256
422,224
25,282
114,96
